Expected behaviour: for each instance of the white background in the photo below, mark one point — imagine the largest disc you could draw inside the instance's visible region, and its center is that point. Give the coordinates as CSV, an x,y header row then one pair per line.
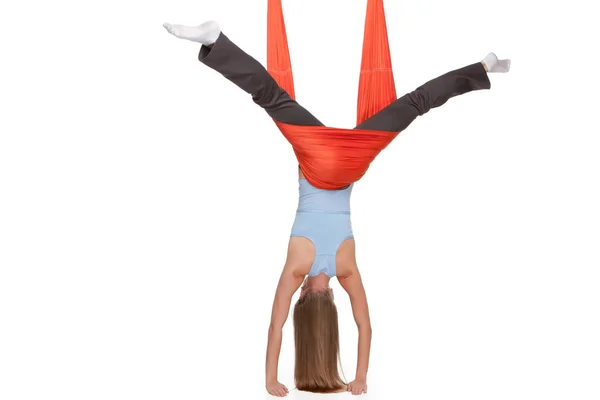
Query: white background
x,y
143,228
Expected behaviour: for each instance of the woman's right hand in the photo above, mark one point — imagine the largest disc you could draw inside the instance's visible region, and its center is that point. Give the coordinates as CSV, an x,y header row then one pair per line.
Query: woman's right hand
x,y
277,389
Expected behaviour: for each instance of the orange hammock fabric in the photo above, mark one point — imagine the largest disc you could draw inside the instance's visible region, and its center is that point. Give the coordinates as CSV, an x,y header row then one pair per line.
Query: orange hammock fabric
x,y
332,158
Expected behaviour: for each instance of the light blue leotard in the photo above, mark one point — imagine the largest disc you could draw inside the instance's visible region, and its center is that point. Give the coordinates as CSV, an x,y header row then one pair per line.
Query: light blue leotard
x,y
323,217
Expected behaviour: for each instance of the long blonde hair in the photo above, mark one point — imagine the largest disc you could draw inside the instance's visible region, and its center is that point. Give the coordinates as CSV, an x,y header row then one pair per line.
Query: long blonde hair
x,y
316,337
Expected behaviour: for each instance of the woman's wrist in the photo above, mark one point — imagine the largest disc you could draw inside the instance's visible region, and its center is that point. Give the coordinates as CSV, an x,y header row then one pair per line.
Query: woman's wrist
x,y
271,374
360,376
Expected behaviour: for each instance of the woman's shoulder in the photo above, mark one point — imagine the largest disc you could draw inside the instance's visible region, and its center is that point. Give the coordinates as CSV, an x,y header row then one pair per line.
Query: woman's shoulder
x,y
345,259
300,255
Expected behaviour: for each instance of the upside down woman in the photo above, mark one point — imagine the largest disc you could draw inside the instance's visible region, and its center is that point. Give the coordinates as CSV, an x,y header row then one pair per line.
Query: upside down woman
x,y
321,245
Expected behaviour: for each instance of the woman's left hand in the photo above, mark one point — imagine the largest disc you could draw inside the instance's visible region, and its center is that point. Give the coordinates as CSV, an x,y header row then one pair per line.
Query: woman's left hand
x,y
358,386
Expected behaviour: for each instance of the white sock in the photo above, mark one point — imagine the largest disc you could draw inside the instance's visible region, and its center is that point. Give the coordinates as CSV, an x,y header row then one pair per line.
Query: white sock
x,y
206,34
494,65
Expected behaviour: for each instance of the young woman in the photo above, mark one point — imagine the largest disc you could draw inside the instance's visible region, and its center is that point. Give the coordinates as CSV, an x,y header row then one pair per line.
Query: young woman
x,y
321,245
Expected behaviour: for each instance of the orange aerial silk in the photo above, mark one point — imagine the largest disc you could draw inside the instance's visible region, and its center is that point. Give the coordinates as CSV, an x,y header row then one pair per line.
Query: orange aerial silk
x,y
332,158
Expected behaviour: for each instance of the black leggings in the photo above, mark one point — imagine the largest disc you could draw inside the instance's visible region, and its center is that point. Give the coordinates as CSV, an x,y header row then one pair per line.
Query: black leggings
x,y
247,73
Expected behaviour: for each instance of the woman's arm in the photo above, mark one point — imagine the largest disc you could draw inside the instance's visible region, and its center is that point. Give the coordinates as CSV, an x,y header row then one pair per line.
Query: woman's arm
x,y
289,282
352,284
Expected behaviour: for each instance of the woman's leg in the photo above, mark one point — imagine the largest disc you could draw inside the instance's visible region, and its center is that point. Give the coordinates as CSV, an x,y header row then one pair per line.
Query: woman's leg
x,y
398,115
222,55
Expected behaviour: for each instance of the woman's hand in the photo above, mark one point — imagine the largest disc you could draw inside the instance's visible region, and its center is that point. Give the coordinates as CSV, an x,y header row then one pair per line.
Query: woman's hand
x,y
277,389
358,386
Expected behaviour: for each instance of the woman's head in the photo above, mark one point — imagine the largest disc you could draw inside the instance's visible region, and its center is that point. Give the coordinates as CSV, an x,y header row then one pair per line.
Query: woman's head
x,y
316,338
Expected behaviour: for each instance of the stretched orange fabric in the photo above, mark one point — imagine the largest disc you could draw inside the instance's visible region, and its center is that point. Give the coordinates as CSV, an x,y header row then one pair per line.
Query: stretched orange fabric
x,y
332,158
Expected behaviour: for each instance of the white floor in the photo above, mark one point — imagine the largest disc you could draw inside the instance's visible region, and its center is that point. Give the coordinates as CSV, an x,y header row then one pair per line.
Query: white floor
x,y
143,228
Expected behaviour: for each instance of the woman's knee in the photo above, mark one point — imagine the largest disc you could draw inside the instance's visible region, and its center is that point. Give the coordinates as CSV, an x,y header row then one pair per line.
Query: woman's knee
x,y
419,99
269,94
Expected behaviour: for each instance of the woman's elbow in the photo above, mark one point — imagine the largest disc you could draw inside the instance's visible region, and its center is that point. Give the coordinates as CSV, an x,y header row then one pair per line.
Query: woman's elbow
x,y
364,327
276,326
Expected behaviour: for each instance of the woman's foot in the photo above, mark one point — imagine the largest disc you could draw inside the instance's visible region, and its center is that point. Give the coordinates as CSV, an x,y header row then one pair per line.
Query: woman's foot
x,y
492,64
205,34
